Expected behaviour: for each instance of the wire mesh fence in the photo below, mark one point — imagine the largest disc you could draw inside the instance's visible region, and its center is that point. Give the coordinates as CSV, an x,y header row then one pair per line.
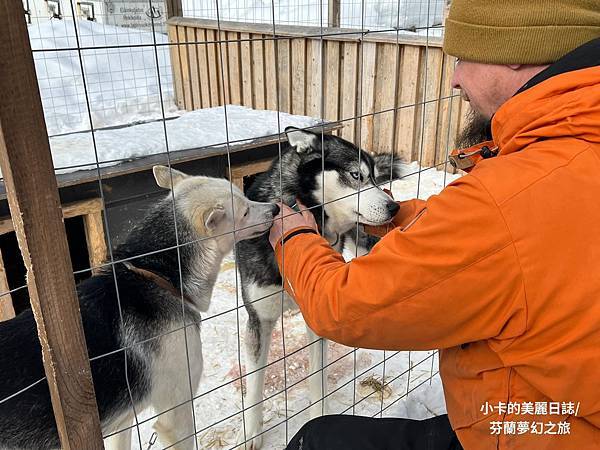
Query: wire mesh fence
x,y
408,15
121,95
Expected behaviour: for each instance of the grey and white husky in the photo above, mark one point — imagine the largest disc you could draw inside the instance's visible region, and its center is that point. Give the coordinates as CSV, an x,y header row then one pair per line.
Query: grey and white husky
x,y
324,172
151,307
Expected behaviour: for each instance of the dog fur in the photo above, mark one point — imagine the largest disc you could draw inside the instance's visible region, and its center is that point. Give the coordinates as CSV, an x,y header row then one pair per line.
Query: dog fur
x,y
316,169
124,310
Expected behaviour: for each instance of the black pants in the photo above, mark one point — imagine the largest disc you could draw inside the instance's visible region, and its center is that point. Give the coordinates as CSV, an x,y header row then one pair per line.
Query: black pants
x,y
365,433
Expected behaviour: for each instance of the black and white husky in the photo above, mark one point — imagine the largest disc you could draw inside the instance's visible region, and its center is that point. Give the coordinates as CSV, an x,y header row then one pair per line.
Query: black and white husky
x,y
318,170
139,308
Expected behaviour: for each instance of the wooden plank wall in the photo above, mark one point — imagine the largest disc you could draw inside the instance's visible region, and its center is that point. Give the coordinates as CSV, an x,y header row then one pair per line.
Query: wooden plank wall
x,y
391,94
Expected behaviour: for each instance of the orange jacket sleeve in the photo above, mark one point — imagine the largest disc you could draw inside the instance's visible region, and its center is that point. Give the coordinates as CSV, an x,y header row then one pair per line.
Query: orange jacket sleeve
x,y
449,277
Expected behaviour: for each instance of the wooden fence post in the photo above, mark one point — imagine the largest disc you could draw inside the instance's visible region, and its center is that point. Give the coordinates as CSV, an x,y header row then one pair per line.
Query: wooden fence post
x,y
333,13
35,208
174,8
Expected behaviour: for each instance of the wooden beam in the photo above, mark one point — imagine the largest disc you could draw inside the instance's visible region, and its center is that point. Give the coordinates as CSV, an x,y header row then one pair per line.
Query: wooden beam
x,y
7,311
333,13
289,31
194,67
258,72
80,208
406,117
235,77
239,182
239,171
298,76
94,236
331,85
246,66
174,8
314,77
252,168
349,88
28,172
386,79
367,96
284,88
185,69
204,78
176,65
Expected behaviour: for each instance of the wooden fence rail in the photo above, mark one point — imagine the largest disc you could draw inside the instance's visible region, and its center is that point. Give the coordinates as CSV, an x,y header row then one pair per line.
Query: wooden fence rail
x,y
392,93
35,208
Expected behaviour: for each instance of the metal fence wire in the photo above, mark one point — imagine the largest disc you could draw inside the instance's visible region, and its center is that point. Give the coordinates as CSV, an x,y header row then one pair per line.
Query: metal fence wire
x,y
118,87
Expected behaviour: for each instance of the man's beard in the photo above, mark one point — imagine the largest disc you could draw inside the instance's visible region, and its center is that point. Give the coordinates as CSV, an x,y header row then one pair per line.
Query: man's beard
x,y
477,129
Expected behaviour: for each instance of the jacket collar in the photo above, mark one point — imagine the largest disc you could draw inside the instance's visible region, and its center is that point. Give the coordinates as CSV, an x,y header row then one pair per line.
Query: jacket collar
x,y
588,55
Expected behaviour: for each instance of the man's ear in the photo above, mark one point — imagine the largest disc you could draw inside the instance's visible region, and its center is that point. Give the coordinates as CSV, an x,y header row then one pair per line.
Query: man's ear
x,y
163,174
304,141
213,217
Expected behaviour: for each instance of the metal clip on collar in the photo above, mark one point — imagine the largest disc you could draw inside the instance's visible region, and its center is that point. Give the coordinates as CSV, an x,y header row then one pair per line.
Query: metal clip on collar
x,y
463,161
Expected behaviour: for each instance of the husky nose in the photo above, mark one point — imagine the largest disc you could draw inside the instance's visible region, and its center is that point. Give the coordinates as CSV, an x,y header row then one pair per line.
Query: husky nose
x,y
393,208
275,210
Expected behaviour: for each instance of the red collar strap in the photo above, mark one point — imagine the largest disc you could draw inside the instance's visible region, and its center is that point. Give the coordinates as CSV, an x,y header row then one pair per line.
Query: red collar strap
x,y
159,281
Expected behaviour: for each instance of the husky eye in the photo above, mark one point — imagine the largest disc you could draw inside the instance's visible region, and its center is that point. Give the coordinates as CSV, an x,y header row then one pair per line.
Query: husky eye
x,y
357,175
246,213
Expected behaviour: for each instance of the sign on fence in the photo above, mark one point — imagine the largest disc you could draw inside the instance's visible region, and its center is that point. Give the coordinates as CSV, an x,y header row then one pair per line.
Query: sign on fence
x,y
137,14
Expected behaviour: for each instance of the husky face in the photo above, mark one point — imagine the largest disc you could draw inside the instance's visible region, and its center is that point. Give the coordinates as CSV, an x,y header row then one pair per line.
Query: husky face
x,y
215,207
342,182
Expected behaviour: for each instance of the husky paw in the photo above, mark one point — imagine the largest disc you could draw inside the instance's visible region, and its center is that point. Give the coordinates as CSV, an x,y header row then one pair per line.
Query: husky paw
x,y
252,443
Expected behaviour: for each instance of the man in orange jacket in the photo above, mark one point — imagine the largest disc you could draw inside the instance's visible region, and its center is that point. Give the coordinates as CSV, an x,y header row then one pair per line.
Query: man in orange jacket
x,y
501,270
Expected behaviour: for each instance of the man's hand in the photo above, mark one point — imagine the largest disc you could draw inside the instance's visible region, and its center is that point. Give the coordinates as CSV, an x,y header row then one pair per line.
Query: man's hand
x,y
288,219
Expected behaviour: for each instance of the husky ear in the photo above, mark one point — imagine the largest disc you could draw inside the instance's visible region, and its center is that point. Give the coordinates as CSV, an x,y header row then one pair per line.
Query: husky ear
x,y
213,217
304,141
163,174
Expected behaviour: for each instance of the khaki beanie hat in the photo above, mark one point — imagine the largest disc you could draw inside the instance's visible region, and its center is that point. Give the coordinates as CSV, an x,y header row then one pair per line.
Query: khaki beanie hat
x,y
519,31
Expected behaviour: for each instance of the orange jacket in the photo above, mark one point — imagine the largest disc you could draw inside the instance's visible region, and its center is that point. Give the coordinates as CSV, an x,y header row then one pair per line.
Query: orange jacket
x,y
505,259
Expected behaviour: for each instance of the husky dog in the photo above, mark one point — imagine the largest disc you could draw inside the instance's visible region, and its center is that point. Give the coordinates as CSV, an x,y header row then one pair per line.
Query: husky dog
x,y
141,322
317,170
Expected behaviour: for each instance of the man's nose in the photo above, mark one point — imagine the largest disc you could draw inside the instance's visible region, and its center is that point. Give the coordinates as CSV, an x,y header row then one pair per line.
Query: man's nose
x,y
455,76
455,83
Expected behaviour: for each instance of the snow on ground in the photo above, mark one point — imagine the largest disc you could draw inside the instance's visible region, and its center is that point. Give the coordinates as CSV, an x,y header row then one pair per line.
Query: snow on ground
x,y
121,80
193,129
218,403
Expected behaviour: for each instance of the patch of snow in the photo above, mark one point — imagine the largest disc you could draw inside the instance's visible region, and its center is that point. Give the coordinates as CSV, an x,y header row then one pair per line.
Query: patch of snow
x,y
193,129
420,181
122,82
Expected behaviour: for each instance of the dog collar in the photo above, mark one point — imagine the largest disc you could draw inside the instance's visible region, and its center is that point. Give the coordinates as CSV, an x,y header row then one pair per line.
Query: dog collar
x,y
337,239
158,280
